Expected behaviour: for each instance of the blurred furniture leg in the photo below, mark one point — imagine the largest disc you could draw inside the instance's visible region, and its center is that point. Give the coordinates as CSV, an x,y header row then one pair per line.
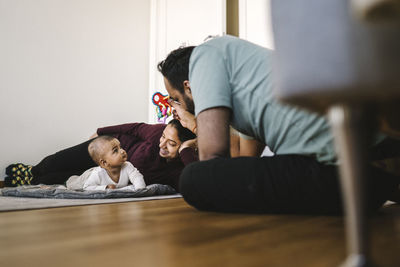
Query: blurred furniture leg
x,y
341,58
349,124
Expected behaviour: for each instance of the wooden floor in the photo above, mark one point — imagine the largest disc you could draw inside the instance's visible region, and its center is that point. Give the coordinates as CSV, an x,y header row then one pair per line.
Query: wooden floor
x,y
171,233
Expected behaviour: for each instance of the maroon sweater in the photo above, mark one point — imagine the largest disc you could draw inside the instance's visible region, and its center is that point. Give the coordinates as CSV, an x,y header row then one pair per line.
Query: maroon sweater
x,y
141,143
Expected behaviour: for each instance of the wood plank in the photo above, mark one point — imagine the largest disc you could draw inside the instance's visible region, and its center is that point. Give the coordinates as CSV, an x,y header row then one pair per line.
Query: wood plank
x,y
171,233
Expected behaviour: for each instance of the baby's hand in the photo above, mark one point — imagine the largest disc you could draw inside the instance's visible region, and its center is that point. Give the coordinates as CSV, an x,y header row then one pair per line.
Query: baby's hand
x,y
111,186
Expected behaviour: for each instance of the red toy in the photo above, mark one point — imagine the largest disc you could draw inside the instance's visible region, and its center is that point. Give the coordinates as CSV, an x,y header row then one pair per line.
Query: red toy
x,y
163,108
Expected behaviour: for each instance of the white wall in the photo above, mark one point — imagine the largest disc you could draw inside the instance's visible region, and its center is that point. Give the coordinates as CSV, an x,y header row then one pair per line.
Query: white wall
x,y
255,26
180,22
255,22
68,67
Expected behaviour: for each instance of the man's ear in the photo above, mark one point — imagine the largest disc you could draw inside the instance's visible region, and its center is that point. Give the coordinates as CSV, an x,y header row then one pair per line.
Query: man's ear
x,y
186,87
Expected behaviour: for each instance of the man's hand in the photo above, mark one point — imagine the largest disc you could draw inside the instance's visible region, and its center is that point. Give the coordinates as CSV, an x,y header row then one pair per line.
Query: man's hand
x,y
188,143
186,118
111,186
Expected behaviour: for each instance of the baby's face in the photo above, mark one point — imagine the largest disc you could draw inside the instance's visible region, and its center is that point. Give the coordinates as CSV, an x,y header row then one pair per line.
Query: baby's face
x,y
113,154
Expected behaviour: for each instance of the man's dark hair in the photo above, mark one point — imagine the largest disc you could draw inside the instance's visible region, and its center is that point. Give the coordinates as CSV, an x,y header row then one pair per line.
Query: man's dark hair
x,y
184,134
176,67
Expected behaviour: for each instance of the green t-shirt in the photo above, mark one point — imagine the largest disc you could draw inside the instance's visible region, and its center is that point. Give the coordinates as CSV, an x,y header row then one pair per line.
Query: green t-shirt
x,y
233,73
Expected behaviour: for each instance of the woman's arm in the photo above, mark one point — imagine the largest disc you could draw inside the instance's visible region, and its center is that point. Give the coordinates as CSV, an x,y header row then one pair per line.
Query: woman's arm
x,y
188,151
140,130
188,155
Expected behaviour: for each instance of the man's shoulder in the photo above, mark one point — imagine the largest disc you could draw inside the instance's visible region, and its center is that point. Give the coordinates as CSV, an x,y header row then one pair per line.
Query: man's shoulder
x,y
222,39
218,42
228,40
229,47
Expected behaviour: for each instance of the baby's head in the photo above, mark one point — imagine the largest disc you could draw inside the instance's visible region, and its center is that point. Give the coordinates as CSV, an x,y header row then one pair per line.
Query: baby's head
x,y
106,152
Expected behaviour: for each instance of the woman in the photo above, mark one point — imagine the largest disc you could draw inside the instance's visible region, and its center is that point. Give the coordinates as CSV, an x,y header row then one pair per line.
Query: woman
x,y
158,151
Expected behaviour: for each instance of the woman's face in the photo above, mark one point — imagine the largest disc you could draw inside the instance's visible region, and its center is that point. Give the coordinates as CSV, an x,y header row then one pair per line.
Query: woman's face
x,y
169,143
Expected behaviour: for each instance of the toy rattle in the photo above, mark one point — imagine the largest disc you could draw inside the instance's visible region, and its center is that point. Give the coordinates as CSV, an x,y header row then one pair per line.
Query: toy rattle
x,y
163,108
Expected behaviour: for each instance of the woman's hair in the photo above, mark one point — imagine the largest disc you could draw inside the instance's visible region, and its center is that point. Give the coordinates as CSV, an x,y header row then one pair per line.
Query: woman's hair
x,y
184,134
176,67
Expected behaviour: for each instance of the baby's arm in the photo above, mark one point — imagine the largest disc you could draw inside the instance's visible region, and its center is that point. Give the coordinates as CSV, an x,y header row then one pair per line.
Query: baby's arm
x,y
94,182
135,177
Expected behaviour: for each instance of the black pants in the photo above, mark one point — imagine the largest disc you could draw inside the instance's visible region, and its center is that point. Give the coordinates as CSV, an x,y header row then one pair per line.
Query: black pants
x,y
279,184
57,168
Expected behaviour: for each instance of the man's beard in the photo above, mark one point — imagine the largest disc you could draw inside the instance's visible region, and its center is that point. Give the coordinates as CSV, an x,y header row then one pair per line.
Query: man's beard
x,y
189,104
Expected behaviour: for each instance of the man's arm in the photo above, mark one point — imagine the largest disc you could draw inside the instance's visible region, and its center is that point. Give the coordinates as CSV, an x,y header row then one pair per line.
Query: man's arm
x,y
213,133
186,118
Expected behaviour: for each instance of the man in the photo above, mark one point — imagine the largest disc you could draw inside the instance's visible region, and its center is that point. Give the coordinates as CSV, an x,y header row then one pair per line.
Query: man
x,y
228,81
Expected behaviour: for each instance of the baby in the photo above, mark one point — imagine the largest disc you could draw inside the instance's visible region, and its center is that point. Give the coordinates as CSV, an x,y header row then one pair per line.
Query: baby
x,y
113,171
